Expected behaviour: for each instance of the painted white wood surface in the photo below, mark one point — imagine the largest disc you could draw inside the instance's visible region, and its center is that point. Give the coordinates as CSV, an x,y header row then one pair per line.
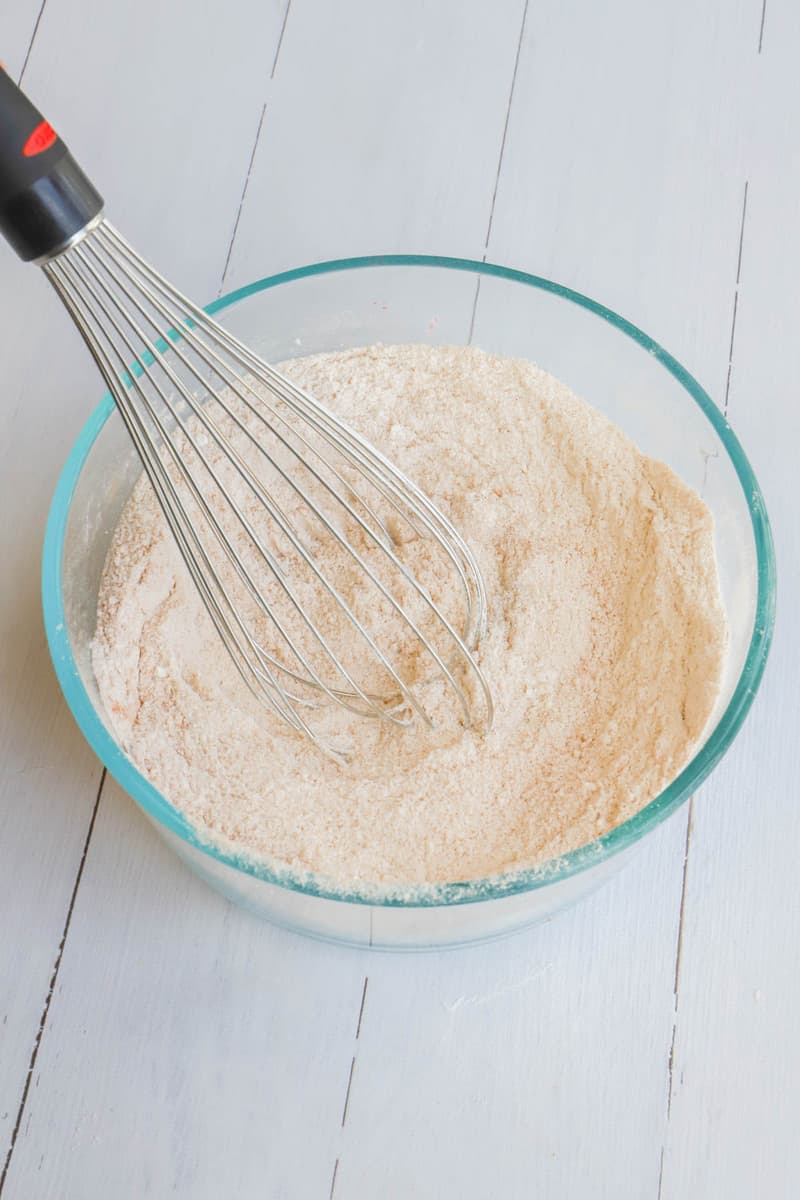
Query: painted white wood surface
x,y
383,132
190,1050
736,1099
48,779
523,1069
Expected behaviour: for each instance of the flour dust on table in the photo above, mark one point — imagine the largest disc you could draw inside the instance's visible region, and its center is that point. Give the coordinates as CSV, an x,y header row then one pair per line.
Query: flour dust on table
x,y
604,650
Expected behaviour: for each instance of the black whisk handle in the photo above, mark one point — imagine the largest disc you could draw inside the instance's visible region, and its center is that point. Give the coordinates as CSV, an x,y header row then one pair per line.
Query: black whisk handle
x,y
45,198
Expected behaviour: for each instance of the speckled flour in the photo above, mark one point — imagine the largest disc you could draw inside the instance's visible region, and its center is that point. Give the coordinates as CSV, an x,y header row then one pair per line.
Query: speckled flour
x,y
604,653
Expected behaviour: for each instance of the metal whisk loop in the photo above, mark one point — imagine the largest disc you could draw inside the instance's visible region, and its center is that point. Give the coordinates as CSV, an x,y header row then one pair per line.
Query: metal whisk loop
x,y
235,636
275,506
200,413
406,498
200,499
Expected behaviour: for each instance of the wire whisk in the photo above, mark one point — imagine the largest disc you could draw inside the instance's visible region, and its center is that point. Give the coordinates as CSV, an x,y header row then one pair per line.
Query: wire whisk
x,y
330,577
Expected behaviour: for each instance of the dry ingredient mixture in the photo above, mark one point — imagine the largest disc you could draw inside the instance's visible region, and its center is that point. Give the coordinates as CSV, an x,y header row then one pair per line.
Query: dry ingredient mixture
x,y
604,652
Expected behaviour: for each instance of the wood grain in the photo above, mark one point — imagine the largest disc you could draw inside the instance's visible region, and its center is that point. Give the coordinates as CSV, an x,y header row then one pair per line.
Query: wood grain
x,y
736,1101
48,776
165,118
624,169
189,1050
382,133
57,1112
569,177
523,1068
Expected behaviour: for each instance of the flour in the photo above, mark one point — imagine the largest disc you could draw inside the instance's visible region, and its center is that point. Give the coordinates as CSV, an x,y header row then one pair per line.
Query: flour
x,y
604,652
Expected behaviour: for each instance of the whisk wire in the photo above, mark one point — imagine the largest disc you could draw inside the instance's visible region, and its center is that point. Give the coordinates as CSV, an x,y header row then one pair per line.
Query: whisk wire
x,y
115,298
246,474
366,457
179,461
281,383
183,531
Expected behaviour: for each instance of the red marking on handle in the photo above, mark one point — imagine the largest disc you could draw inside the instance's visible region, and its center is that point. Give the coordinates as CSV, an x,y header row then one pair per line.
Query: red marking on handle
x,y
41,139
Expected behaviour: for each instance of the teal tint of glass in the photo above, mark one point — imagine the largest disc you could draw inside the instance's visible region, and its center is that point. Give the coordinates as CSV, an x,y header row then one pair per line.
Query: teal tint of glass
x,y
432,895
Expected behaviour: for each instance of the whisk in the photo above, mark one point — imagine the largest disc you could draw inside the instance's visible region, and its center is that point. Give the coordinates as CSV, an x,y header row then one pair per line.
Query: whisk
x,y
332,580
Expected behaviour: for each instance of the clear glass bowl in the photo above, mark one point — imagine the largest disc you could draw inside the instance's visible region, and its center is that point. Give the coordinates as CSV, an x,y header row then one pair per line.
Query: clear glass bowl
x,y
410,298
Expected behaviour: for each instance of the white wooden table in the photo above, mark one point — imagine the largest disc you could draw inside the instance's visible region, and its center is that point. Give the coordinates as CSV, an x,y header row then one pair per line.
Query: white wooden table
x,y
155,1041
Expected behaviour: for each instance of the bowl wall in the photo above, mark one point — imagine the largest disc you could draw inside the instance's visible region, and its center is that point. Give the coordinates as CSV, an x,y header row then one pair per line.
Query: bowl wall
x,y
410,299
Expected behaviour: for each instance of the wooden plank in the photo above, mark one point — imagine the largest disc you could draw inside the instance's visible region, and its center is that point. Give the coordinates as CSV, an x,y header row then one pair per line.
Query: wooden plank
x,y
533,1067
383,135
48,785
623,172
191,1049
48,777
735,1103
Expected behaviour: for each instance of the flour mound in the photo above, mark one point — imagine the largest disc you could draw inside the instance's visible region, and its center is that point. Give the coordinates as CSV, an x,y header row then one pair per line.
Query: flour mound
x,y
605,646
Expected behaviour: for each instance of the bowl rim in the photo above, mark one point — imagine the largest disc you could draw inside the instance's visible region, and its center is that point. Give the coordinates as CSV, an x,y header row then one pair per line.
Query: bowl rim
x,y
434,895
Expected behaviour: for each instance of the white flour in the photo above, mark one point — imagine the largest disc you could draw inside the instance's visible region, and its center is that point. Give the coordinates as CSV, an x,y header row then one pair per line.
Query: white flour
x,y
604,653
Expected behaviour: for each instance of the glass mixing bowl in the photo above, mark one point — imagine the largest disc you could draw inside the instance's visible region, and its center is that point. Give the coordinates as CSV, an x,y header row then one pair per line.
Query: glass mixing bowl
x,y
410,298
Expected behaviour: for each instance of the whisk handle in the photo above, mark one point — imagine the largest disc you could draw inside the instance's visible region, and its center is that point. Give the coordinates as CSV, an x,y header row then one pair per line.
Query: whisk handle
x,y
45,198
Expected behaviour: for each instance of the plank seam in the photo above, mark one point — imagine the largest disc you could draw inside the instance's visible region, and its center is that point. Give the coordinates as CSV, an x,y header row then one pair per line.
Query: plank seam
x,y
280,39
242,199
505,128
679,947
347,1093
500,157
675,987
361,1009
253,152
735,300
51,989
690,822
33,39
333,1179
350,1080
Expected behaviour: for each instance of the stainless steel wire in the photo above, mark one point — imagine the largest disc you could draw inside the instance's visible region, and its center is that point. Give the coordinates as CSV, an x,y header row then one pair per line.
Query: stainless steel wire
x,y
307,546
